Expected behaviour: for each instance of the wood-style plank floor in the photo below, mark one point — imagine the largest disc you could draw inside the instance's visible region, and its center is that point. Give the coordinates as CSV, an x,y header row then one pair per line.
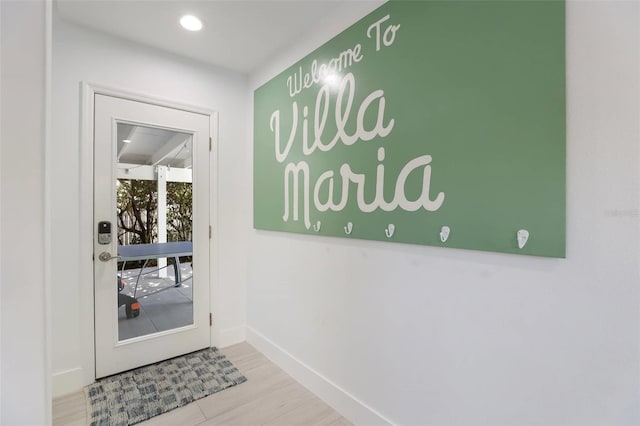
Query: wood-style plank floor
x,y
268,397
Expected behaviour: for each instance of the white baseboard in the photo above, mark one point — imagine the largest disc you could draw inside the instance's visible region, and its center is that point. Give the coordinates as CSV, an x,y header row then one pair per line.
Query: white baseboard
x,y
228,337
344,403
67,381
356,411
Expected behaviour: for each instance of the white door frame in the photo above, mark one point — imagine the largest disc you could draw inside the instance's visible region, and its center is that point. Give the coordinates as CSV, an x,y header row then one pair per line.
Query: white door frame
x,y
85,246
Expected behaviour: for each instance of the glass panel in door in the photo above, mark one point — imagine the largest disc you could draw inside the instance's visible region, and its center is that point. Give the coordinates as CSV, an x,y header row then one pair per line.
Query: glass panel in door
x,y
154,230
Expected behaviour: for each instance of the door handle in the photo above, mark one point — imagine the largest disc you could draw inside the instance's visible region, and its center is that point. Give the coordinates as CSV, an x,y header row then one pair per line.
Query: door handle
x,y
106,256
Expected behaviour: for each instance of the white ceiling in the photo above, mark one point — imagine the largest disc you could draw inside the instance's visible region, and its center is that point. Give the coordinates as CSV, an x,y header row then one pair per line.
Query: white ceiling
x,y
239,35
153,146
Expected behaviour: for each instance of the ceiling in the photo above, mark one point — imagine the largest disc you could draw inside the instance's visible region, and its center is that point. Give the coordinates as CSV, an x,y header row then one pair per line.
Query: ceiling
x,y
238,35
152,146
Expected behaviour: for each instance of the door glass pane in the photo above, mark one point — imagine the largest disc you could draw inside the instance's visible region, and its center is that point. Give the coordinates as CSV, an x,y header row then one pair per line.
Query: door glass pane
x,y
154,222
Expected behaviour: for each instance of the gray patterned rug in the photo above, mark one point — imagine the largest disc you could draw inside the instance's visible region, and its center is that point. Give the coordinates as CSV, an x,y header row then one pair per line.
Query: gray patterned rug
x,y
137,395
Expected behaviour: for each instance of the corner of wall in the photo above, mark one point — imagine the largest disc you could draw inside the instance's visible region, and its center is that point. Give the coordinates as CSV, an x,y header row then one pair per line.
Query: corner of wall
x,y
68,381
229,336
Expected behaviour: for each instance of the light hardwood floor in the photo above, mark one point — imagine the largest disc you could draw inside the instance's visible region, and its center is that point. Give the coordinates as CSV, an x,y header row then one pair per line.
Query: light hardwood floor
x,y
268,397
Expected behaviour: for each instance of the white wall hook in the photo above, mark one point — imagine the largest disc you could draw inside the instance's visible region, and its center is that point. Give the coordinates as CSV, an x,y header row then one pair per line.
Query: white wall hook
x,y
348,228
523,236
389,231
317,226
444,233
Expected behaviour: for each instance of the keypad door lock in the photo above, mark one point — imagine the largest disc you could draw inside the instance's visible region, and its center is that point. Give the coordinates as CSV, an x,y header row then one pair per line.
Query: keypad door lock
x,y
104,232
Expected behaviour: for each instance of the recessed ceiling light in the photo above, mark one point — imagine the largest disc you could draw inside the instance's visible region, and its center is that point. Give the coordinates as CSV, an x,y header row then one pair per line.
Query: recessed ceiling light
x,y
126,140
191,23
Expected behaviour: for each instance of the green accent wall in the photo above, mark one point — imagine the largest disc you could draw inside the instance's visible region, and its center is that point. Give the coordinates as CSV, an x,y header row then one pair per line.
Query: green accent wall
x,y
422,115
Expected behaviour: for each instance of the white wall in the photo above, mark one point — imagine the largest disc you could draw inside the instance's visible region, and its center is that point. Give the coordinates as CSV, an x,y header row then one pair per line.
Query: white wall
x,y
24,371
83,55
430,336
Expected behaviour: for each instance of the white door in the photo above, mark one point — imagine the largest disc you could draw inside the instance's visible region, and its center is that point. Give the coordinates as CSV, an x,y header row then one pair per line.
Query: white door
x,y
151,233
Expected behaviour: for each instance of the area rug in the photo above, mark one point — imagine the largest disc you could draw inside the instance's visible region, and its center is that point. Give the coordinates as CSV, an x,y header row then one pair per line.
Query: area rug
x,y
137,395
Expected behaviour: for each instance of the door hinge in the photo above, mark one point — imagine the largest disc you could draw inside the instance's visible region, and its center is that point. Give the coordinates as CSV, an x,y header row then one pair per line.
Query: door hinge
x,y
210,231
210,142
210,319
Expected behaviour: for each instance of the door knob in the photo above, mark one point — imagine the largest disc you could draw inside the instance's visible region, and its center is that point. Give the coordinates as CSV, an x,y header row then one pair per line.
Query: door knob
x,y
106,256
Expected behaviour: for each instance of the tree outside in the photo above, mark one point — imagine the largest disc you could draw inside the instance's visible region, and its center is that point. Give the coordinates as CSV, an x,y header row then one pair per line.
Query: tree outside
x,y
138,211
179,211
